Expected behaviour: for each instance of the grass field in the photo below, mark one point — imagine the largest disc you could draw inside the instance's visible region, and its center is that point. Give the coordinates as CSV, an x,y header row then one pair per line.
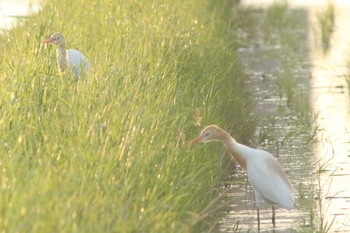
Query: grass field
x,y
111,153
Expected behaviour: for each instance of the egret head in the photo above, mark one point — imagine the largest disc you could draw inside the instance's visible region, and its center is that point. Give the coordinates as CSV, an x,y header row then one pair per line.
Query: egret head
x,y
56,39
211,133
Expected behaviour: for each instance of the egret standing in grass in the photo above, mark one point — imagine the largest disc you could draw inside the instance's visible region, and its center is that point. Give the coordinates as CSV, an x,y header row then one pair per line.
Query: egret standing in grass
x,y
71,58
265,174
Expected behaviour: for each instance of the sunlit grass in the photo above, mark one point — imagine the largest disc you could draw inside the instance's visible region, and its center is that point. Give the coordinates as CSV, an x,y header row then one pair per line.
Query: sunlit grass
x,y
111,153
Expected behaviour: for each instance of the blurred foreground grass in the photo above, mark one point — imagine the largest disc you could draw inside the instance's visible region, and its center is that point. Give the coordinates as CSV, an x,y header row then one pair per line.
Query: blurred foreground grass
x,y
111,153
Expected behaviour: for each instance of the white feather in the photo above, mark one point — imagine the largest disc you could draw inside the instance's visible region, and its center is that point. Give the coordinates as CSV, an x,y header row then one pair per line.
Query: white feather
x,y
268,180
77,61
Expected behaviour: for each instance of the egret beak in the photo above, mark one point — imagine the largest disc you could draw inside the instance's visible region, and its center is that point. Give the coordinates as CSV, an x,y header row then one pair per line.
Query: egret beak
x,y
47,41
196,140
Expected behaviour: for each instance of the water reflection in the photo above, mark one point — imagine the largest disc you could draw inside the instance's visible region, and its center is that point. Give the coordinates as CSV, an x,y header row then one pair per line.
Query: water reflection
x,y
281,131
330,100
11,10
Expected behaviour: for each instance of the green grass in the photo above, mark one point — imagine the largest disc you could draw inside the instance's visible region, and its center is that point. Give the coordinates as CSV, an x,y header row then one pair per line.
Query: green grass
x,y
111,153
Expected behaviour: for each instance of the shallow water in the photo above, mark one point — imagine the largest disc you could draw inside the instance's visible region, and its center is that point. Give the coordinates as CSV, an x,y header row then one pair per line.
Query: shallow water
x,y
331,101
12,10
279,132
322,200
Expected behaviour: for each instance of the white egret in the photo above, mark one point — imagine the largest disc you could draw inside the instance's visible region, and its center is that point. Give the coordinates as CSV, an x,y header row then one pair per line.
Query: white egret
x,y
270,183
71,58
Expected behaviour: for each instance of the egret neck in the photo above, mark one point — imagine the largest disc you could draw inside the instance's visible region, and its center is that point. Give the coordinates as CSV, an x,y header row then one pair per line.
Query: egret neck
x,y
233,147
61,57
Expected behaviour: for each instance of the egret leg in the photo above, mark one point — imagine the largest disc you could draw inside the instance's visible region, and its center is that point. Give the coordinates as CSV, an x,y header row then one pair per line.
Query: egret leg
x,y
258,212
273,217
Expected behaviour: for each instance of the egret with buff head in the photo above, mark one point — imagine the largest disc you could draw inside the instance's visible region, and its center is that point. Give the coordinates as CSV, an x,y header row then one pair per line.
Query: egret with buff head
x,y
269,182
71,58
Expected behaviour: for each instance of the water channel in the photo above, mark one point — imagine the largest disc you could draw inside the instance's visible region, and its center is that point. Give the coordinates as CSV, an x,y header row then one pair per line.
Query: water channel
x,y
12,10
313,152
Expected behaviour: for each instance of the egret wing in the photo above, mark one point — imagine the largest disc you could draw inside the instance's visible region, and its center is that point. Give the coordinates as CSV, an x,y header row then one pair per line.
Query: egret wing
x,y
77,61
268,178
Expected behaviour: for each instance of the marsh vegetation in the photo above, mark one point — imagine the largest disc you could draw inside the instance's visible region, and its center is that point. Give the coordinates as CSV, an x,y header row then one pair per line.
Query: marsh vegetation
x,y
110,153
